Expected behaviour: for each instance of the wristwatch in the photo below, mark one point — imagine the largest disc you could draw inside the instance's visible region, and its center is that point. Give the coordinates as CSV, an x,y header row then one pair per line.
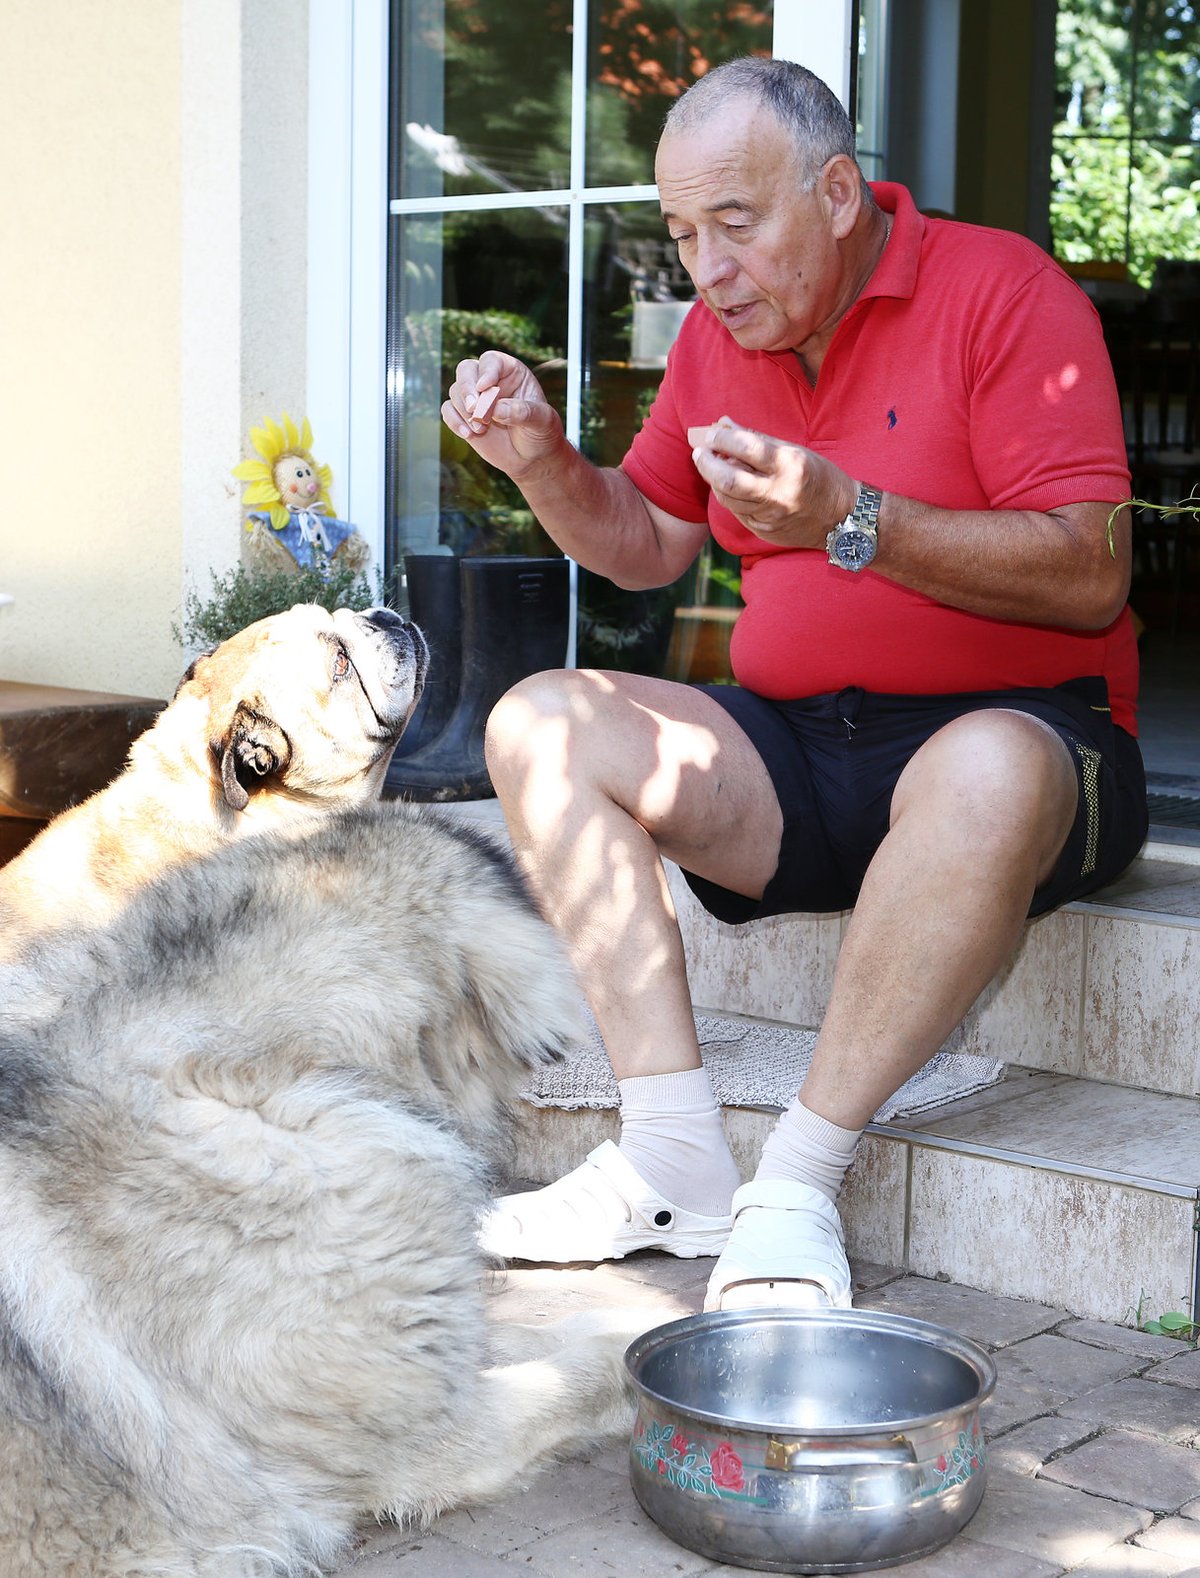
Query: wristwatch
x,y
852,543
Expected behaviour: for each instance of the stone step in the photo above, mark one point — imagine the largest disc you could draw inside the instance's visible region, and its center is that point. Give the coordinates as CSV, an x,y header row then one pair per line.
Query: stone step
x,y
1106,989
1075,1181
1060,1190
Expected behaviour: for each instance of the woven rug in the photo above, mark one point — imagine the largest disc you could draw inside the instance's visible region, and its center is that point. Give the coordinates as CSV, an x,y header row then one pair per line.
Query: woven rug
x,y
757,1065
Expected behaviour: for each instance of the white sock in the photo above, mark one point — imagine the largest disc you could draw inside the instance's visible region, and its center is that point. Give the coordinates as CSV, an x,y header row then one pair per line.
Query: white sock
x,y
671,1131
805,1146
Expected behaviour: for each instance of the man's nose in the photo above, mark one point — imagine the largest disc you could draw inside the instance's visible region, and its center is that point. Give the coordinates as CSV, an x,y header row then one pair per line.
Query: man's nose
x,y
712,263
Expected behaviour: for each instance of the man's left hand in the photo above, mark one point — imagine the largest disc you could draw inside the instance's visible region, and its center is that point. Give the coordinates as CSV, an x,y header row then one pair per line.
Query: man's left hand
x,y
781,492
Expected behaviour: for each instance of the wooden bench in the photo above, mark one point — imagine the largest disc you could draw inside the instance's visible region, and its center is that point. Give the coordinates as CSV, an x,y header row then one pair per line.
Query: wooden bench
x,y
57,747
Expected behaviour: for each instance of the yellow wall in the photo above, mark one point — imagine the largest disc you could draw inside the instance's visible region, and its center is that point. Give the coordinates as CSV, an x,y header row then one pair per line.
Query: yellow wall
x,y
89,342
153,199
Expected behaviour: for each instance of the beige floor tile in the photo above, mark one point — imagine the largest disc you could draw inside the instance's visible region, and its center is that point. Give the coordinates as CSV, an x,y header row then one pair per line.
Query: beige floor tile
x,y
1029,1015
874,1201
1142,1005
780,968
1085,1124
1067,1241
1153,887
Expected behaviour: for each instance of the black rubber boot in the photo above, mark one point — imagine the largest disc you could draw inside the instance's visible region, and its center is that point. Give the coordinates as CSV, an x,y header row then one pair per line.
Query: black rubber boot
x,y
515,614
435,605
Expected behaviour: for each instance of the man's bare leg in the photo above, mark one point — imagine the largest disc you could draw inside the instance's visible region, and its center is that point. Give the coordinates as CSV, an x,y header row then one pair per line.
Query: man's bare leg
x,y
599,776
979,818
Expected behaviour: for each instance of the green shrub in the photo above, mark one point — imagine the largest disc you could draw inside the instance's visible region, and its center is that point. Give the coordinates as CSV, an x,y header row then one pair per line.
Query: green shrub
x,y
244,595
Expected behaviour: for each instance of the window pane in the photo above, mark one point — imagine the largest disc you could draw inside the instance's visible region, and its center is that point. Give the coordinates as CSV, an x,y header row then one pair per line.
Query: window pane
x,y
642,55
635,297
1093,67
1089,178
1167,85
483,92
466,283
1128,123
1164,222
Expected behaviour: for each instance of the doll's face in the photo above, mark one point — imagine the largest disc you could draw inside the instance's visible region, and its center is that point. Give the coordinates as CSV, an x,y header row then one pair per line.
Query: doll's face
x,y
296,481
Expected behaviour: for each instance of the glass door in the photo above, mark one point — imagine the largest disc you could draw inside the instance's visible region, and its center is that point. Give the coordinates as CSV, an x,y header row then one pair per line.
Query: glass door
x,y
523,215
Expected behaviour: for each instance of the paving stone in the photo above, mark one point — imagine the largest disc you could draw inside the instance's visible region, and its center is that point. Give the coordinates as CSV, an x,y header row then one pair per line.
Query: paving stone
x,y
541,1293
868,1274
1128,1338
1011,1405
966,1558
1053,1522
1174,1536
1145,1406
1132,1468
627,1543
431,1557
564,1494
994,1322
1030,1525
1181,1370
1128,1561
1061,1369
1025,1449
682,1280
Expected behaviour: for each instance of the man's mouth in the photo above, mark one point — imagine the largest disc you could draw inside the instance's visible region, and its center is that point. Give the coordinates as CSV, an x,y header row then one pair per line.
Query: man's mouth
x,y
736,313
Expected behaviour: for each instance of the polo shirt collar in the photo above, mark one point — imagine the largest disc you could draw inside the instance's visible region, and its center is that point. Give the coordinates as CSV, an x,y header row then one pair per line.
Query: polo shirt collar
x,y
896,272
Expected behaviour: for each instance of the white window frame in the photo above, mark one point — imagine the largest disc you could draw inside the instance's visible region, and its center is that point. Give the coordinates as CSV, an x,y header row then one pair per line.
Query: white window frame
x,y
348,215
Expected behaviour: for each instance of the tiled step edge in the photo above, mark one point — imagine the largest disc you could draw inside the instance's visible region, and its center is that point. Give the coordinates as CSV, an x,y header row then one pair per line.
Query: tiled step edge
x,y
1006,1220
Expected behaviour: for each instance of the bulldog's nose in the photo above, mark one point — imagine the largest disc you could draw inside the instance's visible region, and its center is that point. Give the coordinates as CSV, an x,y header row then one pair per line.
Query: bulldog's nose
x,y
385,618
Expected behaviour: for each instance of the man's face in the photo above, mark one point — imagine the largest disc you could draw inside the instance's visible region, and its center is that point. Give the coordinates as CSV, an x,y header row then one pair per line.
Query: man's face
x,y
760,250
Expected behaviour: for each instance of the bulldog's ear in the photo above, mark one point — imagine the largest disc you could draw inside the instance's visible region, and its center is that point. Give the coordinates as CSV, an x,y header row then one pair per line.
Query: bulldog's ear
x,y
254,747
193,668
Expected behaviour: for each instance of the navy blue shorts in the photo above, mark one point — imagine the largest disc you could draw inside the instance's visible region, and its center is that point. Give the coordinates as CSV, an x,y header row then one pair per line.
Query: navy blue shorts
x,y
835,760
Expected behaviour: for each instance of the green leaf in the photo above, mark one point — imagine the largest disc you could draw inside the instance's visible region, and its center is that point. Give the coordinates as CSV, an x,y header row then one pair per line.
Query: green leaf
x,y
1173,1320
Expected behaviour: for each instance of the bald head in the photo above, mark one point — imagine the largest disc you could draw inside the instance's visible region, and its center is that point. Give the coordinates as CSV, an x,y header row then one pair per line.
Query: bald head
x,y
803,105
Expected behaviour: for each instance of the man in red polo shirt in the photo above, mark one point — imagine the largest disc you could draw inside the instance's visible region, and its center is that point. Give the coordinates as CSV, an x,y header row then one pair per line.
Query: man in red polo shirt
x,y
908,430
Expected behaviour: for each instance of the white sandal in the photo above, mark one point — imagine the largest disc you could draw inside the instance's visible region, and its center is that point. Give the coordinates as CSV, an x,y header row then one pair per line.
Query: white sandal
x,y
604,1210
786,1248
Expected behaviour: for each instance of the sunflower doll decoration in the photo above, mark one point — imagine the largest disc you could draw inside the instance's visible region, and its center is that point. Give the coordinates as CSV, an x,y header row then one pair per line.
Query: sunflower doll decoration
x,y
292,522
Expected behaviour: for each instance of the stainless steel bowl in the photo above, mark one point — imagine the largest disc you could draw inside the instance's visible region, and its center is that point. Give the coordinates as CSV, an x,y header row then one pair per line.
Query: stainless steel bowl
x,y
806,1441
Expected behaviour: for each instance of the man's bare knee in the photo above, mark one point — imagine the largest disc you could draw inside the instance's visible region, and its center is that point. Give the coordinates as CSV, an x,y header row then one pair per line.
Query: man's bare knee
x,y
1000,772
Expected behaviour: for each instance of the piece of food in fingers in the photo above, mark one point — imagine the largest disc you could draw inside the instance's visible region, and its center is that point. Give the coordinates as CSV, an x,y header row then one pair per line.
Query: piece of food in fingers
x,y
484,402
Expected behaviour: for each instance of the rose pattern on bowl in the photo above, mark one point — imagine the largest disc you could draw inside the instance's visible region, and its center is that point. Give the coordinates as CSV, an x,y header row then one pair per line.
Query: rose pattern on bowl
x,y
716,1469
957,1465
691,1465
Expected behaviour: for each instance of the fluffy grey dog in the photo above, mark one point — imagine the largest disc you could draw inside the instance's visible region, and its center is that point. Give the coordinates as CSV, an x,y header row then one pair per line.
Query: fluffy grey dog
x,y
240,1137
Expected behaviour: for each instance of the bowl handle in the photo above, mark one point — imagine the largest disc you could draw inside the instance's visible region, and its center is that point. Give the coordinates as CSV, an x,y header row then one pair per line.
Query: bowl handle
x,y
813,1455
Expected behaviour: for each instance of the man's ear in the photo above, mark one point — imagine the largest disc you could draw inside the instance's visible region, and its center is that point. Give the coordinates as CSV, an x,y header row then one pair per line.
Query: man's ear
x,y
253,747
840,182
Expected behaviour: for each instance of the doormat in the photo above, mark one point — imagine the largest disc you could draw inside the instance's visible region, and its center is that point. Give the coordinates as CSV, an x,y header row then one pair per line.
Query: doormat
x,y
757,1065
1174,810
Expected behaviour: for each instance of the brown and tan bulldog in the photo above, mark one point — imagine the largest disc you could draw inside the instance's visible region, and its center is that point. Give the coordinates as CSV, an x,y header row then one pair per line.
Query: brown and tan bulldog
x,y
294,717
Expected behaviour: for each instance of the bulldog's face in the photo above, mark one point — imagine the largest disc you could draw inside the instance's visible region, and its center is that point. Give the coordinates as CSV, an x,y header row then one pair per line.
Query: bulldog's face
x,y
309,703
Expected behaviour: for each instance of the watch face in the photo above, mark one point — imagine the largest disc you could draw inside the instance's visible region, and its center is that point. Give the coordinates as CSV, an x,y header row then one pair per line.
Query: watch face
x,y
854,548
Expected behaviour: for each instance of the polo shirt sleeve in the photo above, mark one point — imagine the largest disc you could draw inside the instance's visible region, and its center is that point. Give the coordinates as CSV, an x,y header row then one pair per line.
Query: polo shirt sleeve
x,y
1045,418
659,461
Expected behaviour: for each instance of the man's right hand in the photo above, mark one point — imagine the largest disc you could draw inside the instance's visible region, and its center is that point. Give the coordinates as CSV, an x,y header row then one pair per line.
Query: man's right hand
x,y
497,405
